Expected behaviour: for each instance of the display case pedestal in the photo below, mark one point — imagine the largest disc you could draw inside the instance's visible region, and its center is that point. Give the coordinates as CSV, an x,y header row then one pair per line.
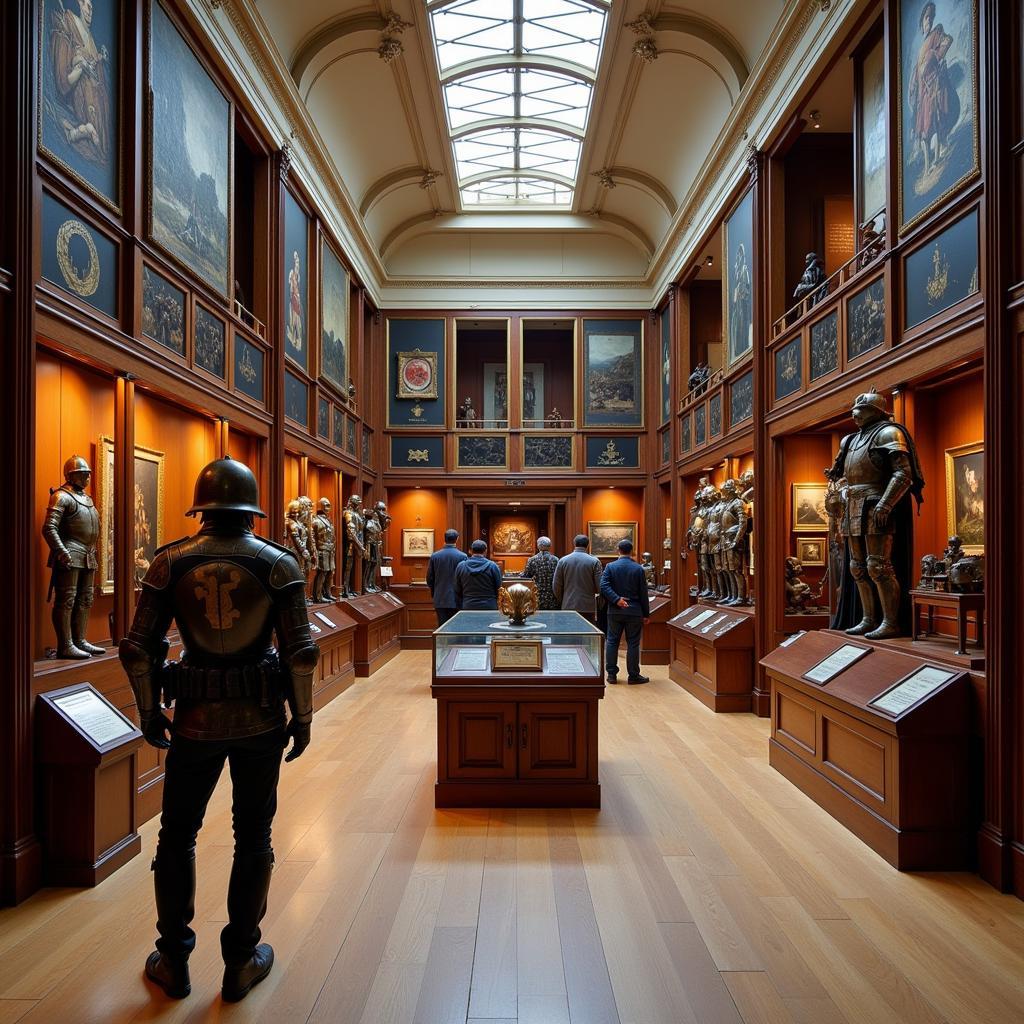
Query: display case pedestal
x,y
334,630
378,619
713,655
656,648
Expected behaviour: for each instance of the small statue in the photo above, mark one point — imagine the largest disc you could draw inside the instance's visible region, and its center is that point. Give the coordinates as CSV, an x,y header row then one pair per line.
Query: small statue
x,y
953,552
812,284
71,529
467,414
517,602
798,593
650,573
929,570
695,532
371,559
554,418
734,542
697,382
307,521
353,543
872,240
351,390
967,576
323,527
713,543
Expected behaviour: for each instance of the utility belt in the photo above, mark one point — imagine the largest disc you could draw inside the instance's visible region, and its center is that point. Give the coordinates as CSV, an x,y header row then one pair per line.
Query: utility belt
x,y
265,682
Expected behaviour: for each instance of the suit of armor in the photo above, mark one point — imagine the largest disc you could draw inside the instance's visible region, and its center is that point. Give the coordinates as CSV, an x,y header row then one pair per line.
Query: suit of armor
x,y
306,504
353,543
710,498
714,542
734,536
323,530
372,536
880,466
229,593
296,536
695,531
71,529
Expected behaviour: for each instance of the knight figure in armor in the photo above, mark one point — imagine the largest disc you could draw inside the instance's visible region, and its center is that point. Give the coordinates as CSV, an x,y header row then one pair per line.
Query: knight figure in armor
x,y
695,531
323,530
881,470
372,536
734,541
71,530
229,593
312,558
352,539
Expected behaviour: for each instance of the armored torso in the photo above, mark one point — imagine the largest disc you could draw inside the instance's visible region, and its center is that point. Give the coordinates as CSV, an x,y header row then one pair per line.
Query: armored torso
x,y
72,522
354,525
868,471
324,530
714,528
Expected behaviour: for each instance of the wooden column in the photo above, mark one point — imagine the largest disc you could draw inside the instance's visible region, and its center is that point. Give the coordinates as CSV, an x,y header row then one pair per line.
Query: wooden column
x,y
275,471
124,509
20,853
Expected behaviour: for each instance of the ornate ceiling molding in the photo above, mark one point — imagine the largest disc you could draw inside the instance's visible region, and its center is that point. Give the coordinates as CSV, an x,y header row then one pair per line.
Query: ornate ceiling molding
x,y
423,176
330,32
638,179
709,32
504,62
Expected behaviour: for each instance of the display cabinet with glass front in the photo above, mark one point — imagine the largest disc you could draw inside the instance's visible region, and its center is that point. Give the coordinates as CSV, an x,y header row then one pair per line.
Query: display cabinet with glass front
x,y
549,374
474,644
482,394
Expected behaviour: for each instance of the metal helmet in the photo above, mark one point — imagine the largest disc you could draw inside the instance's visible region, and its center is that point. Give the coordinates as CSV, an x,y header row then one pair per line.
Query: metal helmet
x,y
324,504
226,485
294,508
76,464
871,400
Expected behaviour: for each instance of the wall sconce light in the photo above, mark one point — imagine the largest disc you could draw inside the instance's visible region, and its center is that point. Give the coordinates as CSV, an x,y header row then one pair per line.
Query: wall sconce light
x,y
815,117
710,261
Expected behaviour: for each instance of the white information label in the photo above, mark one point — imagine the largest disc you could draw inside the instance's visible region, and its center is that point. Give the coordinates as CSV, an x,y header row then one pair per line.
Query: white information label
x,y
387,595
703,617
100,721
915,687
565,661
325,620
470,659
387,570
793,639
711,625
835,663
314,628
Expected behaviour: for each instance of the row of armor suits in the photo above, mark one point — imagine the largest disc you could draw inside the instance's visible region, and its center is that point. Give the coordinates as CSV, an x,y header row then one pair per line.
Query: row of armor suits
x,y
719,532
312,538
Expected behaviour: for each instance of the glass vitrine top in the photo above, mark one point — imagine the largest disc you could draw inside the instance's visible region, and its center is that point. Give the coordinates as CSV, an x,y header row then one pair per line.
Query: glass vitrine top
x,y
493,623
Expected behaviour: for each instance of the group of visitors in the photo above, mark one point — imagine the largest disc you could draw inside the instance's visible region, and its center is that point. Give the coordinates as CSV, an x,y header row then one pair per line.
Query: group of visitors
x,y
613,597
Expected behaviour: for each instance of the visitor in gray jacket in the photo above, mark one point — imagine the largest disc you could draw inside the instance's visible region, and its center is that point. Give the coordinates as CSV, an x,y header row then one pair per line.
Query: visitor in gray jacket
x,y
578,579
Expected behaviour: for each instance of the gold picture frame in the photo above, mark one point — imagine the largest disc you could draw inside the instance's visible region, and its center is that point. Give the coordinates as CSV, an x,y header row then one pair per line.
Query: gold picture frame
x,y
417,542
606,534
148,535
416,362
808,509
965,495
511,654
811,551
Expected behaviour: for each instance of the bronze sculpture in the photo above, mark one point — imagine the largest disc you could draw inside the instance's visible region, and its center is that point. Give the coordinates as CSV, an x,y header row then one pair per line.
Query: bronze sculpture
x,y
71,529
650,573
713,539
697,382
812,284
306,503
230,593
371,543
695,532
517,602
352,541
467,414
798,593
295,535
734,540
323,528
880,465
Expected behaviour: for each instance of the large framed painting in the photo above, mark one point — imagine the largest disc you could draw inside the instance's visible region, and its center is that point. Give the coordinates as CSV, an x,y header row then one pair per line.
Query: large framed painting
x,y
417,374
938,90
210,342
514,535
942,272
79,92
605,537
296,282
248,376
190,156
481,451
872,148
666,364
865,320
965,495
741,398
417,542
548,451
148,506
333,319
825,345
789,368
163,311
613,357
738,287
809,515
296,399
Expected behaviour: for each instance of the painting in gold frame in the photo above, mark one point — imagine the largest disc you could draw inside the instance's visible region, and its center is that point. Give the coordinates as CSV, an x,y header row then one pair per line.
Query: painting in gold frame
x,y
811,551
605,537
965,495
809,514
417,542
417,374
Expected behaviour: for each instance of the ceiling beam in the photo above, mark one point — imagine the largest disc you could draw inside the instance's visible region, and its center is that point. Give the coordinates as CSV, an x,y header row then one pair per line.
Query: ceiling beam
x,y
709,32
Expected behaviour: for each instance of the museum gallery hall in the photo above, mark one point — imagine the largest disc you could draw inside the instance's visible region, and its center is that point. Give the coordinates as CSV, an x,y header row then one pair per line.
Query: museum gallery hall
x,y
512,511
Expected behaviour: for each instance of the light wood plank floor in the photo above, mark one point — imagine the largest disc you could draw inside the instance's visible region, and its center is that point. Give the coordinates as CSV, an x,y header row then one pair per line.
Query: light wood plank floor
x,y
706,890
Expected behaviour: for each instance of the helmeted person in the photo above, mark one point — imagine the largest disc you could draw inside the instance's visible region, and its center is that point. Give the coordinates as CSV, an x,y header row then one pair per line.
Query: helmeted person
x,y
881,469
229,592
323,529
71,530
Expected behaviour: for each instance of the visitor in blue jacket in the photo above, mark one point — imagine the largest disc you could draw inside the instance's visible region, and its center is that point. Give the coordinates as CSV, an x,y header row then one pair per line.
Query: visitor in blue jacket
x,y
477,580
441,576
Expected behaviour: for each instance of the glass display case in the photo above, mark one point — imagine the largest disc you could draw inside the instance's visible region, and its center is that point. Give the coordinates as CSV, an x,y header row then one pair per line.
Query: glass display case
x,y
550,643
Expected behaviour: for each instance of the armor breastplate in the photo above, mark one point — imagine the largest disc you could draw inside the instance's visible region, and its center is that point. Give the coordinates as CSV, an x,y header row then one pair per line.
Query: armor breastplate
x,y
859,468
714,531
324,534
81,521
730,519
353,525
372,533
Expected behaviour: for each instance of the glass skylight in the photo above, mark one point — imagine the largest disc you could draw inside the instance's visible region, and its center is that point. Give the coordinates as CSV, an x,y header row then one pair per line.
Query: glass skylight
x,y
517,78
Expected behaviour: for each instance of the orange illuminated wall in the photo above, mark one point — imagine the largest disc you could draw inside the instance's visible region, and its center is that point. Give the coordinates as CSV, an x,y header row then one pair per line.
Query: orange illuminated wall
x,y
74,408
291,482
415,509
248,449
619,505
805,457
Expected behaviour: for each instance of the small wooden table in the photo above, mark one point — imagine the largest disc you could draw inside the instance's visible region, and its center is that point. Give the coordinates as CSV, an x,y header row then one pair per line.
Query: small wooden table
x,y
963,604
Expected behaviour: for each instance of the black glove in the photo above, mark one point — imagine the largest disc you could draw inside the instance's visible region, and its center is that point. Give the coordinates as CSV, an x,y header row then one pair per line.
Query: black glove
x,y
155,729
298,733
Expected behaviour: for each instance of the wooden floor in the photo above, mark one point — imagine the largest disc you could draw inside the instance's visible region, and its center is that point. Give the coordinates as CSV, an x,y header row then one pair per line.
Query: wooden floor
x,y
706,890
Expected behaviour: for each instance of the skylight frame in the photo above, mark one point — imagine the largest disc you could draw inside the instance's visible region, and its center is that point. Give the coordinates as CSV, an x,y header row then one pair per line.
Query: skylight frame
x,y
517,108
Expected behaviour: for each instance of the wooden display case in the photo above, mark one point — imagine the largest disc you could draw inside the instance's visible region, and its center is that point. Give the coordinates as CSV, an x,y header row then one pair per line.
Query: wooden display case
x,y
378,619
656,647
713,655
882,745
334,630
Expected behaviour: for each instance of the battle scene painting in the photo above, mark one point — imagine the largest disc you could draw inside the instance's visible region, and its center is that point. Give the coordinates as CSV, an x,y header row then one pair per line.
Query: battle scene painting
x,y
163,311
333,319
612,377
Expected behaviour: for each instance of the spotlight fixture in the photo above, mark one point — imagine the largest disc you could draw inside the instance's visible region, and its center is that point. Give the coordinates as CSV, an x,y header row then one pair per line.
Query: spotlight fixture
x,y
710,260
815,117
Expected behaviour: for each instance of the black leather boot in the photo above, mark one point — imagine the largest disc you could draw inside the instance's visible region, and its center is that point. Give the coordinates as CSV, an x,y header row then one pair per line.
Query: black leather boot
x,y
174,882
247,961
171,975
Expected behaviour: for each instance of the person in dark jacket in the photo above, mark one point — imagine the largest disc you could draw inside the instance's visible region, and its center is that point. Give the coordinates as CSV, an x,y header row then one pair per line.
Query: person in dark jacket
x,y
624,587
541,569
477,580
578,579
441,577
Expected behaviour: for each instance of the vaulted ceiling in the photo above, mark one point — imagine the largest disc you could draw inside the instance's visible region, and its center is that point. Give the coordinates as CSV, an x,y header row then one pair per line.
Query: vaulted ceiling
x,y
665,82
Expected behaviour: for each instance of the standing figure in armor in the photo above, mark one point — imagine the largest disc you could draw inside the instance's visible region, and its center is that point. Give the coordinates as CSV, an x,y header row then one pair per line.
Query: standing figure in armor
x,y
695,530
734,538
710,498
312,559
323,528
714,544
71,530
881,468
372,537
229,592
352,539
295,536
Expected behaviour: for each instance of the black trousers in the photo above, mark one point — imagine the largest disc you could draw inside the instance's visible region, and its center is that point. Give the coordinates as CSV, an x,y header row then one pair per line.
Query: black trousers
x,y
633,627
191,773
444,614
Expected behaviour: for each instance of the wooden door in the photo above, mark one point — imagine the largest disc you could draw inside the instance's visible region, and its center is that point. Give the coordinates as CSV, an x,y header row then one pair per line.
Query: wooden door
x,y
552,741
481,741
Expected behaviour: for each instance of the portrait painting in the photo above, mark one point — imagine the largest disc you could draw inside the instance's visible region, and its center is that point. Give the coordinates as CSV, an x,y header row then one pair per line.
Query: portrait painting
x,y
811,551
872,136
417,543
190,153
148,511
741,398
809,515
296,282
942,272
323,417
612,374
417,374
296,399
79,94
605,537
825,345
738,287
685,440
666,364
209,341
715,414
514,536
938,90
788,368
163,311
700,424
965,495
333,320
865,320
248,368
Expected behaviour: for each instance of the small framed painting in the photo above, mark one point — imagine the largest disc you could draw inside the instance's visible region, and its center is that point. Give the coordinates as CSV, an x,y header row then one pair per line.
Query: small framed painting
x,y
965,495
811,550
809,515
417,543
605,537
417,374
